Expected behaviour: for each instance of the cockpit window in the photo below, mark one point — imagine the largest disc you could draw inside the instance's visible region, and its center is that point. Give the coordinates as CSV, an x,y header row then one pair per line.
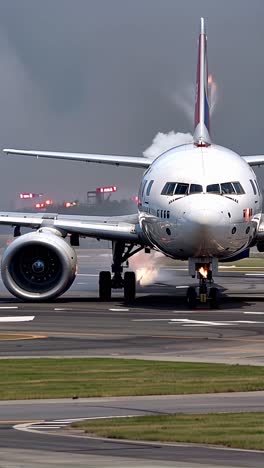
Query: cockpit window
x,y
168,188
196,188
213,188
227,188
253,187
143,187
181,189
149,188
257,185
238,188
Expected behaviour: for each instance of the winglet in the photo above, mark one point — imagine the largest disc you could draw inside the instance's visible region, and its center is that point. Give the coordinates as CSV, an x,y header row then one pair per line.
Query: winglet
x,y
201,135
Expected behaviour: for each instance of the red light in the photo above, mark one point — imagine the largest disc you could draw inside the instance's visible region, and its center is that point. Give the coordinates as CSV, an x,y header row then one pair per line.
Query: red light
x,y
110,189
24,195
40,205
48,202
135,199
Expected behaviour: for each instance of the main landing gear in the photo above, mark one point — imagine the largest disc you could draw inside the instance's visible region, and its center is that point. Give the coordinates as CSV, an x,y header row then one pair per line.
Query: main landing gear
x,y
107,282
205,292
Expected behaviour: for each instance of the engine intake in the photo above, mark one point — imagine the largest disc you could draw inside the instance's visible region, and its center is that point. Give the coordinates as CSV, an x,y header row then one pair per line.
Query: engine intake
x,y
38,266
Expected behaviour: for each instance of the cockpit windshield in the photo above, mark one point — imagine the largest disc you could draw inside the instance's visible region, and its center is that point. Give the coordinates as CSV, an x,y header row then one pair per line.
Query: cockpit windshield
x,y
226,188
180,188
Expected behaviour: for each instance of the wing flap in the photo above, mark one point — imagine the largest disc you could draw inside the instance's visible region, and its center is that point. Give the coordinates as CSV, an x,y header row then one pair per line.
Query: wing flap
x,y
130,161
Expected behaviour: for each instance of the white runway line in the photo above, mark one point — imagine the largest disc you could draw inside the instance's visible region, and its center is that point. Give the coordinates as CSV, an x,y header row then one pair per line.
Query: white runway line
x,y
88,274
25,318
61,308
253,313
9,307
119,310
254,274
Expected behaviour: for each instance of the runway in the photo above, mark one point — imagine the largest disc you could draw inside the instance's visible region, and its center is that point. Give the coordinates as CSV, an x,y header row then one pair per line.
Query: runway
x,y
157,326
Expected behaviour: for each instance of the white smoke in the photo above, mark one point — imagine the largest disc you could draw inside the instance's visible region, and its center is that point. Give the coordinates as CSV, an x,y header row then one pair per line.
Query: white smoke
x,y
146,266
185,98
164,141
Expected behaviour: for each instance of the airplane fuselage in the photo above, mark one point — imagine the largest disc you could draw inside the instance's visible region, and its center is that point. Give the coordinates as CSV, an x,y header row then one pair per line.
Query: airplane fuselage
x,y
200,203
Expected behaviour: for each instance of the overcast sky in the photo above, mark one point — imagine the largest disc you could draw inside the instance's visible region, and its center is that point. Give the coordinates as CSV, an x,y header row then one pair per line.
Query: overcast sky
x,y
105,76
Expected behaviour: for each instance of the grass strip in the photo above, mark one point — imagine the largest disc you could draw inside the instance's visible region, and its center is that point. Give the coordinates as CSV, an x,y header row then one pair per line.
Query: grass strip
x,y
103,377
239,430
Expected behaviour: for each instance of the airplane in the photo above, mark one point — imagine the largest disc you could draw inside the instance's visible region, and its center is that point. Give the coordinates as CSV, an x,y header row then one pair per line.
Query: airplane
x,y
198,202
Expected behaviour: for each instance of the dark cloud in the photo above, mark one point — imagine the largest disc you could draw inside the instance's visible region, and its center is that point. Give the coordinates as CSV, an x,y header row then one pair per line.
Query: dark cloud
x,y
99,76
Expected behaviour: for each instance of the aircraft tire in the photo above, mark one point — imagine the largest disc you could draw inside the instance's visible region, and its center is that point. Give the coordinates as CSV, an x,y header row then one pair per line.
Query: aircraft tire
x,y
129,286
214,298
191,298
105,285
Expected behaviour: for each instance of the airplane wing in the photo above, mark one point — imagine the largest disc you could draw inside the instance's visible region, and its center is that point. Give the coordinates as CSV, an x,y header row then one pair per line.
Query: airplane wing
x,y
257,160
131,161
124,228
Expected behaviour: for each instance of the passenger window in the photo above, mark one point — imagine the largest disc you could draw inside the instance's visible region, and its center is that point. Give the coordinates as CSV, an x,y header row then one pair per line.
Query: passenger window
x,y
168,214
158,213
253,187
196,188
238,188
168,188
227,188
181,189
213,188
161,213
149,188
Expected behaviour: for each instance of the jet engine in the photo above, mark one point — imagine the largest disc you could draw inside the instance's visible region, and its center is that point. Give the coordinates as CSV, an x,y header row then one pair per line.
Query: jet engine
x,y
38,266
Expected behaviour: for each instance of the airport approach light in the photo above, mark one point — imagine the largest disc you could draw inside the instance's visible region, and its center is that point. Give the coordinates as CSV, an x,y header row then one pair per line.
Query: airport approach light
x,y
110,189
69,204
29,195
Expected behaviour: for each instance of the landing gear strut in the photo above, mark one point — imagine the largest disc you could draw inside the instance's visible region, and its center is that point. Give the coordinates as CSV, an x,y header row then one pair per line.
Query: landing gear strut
x,y
121,253
205,292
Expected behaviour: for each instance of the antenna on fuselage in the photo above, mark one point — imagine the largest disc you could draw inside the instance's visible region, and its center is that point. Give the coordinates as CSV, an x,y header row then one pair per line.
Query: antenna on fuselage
x,y
201,134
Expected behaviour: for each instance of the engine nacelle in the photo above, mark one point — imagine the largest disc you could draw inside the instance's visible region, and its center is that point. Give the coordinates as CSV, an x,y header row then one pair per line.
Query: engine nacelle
x,y
38,266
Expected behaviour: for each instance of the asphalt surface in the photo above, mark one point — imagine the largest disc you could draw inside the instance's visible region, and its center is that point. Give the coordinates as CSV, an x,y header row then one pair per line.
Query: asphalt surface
x,y
157,326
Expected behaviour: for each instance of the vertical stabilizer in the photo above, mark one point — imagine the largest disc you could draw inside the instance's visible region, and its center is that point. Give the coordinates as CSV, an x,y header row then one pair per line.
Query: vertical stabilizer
x,y
202,112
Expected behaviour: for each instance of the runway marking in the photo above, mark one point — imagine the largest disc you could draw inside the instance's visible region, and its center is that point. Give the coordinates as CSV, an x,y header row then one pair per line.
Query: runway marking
x,y
254,274
191,322
25,318
181,287
25,421
8,307
198,323
18,337
119,310
253,313
88,274
61,308
175,269
59,423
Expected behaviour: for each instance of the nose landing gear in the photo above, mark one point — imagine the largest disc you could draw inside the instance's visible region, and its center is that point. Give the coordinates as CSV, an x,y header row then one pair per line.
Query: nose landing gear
x,y
205,293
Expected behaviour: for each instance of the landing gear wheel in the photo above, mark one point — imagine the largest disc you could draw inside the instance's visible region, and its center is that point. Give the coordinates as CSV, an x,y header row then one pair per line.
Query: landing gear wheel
x,y
129,286
191,297
105,285
214,298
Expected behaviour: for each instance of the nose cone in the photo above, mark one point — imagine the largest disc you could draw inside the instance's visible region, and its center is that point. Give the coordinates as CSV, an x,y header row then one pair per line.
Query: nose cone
x,y
205,224
204,218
